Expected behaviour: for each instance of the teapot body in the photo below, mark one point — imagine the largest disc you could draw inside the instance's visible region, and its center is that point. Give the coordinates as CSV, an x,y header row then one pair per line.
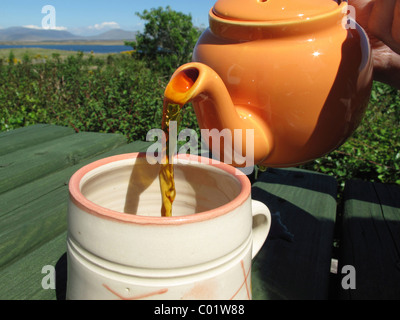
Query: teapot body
x,y
310,85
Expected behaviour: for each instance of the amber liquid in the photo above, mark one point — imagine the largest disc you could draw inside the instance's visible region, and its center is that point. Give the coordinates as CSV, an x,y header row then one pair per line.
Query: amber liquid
x,y
171,112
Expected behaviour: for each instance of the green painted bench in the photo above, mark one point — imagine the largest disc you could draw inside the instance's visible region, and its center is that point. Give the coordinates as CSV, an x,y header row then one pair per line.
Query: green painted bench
x,y
370,240
37,162
295,261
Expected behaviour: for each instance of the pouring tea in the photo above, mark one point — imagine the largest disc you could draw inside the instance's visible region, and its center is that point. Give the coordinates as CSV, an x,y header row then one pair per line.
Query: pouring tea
x,y
290,70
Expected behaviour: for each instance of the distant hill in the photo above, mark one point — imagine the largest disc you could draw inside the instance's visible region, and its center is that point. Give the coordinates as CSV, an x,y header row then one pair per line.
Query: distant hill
x,y
114,34
28,34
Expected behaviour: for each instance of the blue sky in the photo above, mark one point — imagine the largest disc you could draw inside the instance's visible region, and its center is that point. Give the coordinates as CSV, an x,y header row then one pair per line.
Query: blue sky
x,y
94,16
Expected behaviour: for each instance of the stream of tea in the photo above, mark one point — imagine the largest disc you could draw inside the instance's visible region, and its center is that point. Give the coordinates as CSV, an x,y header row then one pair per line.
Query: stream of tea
x,y
172,108
171,112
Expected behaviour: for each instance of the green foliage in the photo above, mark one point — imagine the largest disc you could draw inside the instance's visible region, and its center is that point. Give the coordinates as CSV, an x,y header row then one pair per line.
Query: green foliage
x,y
11,57
116,94
120,94
167,41
124,94
373,152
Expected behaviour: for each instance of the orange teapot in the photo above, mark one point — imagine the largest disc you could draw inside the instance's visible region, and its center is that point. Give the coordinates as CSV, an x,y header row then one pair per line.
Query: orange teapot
x,y
298,73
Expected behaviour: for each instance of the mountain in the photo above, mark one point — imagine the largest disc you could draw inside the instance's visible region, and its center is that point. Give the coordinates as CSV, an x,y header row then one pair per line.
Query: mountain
x,y
28,34
114,34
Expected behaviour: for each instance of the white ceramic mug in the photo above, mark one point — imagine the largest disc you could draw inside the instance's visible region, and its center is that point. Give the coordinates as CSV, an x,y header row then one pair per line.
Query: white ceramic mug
x,y
203,252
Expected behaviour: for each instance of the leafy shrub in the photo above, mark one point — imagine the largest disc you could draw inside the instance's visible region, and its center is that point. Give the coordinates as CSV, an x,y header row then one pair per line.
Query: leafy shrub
x,y
167,41
116,95
119,94
124,94
373,152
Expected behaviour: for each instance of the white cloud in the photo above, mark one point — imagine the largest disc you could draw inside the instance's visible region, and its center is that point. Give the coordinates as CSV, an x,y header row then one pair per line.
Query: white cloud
x,y
95,29
60,28
31,26
105,25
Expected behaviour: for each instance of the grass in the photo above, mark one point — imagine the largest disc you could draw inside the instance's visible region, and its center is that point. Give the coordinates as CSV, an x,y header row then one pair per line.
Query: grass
x,y
71,42
39,53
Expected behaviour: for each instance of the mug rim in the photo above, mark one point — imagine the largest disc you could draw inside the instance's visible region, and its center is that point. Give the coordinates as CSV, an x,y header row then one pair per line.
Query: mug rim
x,y
79,200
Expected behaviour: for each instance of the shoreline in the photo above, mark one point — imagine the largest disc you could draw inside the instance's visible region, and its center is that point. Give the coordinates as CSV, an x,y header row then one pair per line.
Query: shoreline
x,y
34,52
69,42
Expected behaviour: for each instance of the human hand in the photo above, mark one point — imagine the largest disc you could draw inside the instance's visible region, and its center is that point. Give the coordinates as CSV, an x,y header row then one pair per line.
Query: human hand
x,y
381,21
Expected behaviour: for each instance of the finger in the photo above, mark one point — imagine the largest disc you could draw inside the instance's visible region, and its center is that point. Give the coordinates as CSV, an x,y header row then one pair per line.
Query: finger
x,y
396,23
381,22
363,11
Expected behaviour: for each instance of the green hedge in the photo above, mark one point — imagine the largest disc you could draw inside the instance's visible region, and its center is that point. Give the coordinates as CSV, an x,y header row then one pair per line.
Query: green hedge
x,y
120,94
373,152
117,94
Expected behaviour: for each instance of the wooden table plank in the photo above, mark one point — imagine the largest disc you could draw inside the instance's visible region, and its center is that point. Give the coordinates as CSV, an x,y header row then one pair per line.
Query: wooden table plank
x,y
295,260
293,264
23,166
371,240
34,223
21,138
23,279
24,194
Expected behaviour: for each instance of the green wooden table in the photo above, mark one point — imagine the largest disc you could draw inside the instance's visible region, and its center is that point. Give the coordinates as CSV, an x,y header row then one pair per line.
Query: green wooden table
x,y
37,162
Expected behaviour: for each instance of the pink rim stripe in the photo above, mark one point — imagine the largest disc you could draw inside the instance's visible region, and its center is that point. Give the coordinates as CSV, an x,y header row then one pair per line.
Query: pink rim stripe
x,y
84,204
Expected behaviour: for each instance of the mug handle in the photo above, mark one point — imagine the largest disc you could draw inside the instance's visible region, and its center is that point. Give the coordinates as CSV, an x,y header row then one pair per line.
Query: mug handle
x,y
261,225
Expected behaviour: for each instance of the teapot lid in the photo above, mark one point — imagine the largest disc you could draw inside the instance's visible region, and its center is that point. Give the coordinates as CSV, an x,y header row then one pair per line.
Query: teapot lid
x,y
272,10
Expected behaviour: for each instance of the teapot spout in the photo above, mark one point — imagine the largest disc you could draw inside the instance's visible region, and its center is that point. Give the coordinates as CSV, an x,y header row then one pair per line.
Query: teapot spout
x,y
218,115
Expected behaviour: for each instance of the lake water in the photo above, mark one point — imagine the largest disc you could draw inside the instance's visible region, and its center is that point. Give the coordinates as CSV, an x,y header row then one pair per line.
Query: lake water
x,y
72,47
